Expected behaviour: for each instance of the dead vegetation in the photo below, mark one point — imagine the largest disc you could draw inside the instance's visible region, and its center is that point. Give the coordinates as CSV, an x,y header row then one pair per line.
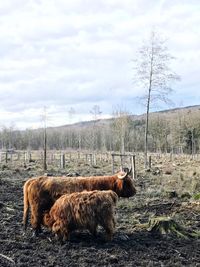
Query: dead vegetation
x,y
157,227
168,226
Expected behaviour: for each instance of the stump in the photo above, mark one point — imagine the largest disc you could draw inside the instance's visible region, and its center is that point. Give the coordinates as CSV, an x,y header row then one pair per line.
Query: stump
x,y
166,225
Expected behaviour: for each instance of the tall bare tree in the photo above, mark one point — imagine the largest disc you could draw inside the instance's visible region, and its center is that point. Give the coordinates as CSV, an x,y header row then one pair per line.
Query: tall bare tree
x,y
96,112
44,119
152,71
71,114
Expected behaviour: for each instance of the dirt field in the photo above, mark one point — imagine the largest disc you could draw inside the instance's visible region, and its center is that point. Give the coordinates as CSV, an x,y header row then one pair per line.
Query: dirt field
x,y
168,189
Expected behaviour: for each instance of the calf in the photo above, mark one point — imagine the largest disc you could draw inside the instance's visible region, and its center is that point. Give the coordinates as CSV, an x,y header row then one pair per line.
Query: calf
x,y
85,210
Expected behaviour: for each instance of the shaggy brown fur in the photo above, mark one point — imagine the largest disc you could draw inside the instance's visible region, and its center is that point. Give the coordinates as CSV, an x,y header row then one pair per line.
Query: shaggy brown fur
x,y
40,193
85,210
26,200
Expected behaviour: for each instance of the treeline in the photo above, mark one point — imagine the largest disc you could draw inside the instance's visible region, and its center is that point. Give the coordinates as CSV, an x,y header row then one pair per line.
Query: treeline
x,y
177,132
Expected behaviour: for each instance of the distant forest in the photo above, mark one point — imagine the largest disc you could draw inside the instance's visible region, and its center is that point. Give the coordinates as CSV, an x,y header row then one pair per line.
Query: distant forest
x,y
176,131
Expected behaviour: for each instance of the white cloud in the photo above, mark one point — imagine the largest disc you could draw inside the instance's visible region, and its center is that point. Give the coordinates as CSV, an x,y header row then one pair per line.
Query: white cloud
x,y
59,54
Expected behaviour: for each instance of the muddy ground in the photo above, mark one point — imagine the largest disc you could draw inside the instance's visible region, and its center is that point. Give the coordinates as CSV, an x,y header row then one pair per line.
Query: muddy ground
x,y
132,245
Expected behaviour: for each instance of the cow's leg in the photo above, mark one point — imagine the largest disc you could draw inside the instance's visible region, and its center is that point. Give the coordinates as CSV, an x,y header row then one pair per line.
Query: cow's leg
x,y
109,226
93,229
65,234
36,218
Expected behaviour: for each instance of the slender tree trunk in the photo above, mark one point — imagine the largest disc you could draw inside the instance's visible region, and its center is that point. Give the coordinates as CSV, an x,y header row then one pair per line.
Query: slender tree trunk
x,y
147,119
192,148
146,133
79,141
122,144
45,148
147,112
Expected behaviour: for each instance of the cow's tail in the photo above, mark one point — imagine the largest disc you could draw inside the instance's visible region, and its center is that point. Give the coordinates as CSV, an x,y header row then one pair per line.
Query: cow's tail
x,y
26,205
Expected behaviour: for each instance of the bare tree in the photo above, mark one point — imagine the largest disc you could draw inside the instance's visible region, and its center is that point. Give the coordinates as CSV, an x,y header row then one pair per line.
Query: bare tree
x,y
71,114
153,73
96,112
159,129
44,119
121,126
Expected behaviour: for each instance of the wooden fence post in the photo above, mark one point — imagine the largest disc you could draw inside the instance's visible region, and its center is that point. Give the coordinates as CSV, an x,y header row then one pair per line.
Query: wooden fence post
x,y
133,166
94,160
149,162
25,156
90,159
171,154
113,163
52,158
62,161
121,161
29,157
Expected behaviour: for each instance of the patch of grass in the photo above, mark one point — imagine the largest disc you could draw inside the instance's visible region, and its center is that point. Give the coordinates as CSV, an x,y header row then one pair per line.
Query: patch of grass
x,y
196,196
125,204
195,185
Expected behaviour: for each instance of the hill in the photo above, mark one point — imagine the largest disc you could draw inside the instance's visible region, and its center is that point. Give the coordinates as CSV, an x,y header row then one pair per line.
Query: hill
x,y
167,113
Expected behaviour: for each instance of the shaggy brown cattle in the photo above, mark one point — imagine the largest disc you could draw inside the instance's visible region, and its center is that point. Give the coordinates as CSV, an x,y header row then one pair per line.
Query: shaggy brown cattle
x,y
83,210
40,193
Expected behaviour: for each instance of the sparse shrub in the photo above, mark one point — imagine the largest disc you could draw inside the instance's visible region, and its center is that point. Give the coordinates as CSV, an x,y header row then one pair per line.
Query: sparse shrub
x,y
172,194
186,195
196,185
4,167
196,196
181,176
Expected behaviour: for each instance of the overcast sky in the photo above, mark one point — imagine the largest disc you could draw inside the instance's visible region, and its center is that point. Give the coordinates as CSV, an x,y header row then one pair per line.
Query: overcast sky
x,y
66,54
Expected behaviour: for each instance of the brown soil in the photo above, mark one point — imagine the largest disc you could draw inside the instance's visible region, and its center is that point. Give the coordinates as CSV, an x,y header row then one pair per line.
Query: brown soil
x,y
131,246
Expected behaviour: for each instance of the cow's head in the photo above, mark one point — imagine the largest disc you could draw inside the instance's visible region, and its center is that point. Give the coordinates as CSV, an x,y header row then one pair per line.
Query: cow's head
x,y
124,184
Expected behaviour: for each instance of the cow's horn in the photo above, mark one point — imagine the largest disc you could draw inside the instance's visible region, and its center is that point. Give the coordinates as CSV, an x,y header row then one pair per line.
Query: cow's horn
x,y
122,175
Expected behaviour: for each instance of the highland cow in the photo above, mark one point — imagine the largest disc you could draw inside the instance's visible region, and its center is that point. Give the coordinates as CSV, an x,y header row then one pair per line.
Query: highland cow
x,y
83,210
40,193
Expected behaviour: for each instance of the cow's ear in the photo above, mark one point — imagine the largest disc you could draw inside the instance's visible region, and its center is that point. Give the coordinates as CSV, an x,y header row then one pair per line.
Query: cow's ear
x,y
121,175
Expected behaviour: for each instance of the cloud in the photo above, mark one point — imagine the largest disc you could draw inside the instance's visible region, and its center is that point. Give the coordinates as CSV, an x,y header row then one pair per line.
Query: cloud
x,y
63,54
